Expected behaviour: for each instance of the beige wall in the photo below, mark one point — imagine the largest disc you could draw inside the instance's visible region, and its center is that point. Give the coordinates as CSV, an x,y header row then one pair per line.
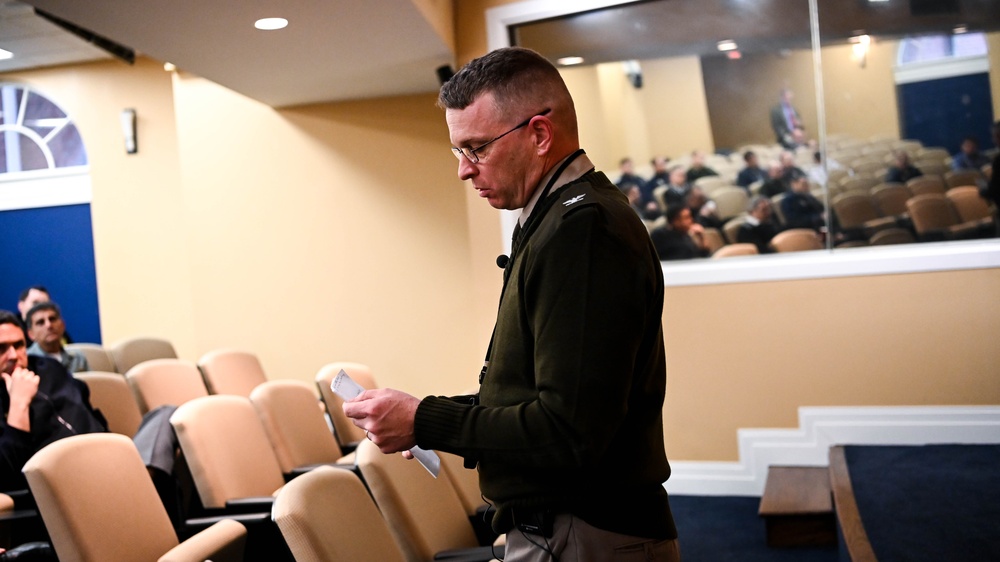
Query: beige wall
x,y
993,42
861,101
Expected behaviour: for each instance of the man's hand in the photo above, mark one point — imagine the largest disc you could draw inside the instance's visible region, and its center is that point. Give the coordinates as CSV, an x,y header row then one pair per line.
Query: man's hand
x,y
387,416
22,385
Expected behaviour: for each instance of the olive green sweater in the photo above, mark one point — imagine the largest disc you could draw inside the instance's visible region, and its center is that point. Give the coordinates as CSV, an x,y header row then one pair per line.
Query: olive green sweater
x,y
570,412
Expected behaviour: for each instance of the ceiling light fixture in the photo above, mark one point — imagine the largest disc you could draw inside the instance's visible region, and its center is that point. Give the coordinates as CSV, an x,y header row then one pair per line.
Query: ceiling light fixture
x,y
169,66
270,24
5,54
960,29
570,61
726,45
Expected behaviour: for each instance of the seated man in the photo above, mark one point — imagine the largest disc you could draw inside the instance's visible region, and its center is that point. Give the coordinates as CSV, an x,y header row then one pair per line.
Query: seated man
x,y
902,170
42,403
801,208
29,298
46,328
698,168
661,176
775,182
759,228
969,158
752,173
628,176
681,238
676,191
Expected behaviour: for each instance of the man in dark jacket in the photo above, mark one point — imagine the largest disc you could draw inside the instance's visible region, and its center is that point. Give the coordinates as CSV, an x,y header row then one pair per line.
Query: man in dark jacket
x,y
567,428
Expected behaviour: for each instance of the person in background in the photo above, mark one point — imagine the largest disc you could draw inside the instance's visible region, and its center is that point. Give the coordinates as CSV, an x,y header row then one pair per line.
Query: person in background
x,y
628,176
785,119
661,176
901,170
676,191
759,227
567,427
969,158
46,328
681,238
698,168
775,183
752,172
800,208
29,298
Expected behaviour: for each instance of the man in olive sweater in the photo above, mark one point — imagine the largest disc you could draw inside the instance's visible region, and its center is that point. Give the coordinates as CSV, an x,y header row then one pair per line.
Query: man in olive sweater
x,y
567,428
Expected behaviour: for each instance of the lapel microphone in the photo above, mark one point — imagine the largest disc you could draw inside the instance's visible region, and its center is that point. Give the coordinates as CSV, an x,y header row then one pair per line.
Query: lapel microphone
x,y
502,261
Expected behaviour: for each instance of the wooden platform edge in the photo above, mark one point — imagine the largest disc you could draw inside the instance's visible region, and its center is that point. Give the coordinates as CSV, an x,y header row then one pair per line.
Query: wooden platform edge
x,y
855,537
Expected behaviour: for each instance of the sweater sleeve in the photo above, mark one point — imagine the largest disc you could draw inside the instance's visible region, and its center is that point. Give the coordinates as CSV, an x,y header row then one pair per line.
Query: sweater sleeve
x,y
587,299
16,448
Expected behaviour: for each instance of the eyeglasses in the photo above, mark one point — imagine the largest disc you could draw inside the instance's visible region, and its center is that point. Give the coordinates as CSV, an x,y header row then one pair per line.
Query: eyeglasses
x,y
471,153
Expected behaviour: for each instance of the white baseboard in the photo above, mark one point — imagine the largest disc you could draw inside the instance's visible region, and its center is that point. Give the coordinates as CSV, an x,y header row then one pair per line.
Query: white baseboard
x,y
823,427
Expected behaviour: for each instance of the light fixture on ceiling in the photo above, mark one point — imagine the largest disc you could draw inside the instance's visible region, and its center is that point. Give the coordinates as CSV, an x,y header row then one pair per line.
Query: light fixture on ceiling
x,y
5,54
960,29
169,66
569,61
726,45
270,24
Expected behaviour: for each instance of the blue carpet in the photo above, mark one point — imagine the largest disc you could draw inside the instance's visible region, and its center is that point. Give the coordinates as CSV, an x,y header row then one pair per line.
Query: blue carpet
x,y
932,502
717,529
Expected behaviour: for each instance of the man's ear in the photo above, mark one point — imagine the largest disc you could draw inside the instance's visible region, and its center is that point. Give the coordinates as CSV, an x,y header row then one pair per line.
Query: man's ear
x,y
542,134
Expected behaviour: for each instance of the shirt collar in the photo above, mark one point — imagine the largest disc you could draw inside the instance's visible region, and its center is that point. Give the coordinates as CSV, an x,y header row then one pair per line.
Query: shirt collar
x,y
576,168
752,220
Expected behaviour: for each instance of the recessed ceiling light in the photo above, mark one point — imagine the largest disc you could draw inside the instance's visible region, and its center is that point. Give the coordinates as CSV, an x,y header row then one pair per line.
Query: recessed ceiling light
x,y
570,61
960,29
169,66
5,54
269,24
727,45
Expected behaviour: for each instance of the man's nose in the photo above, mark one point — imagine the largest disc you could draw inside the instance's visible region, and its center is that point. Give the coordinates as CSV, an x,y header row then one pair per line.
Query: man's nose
x,y
466,169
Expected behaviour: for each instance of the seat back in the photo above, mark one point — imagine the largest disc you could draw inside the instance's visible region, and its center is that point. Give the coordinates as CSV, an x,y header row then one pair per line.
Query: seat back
x,y
97,500
713,239
424,513
732,228
98,358
969,205
226,448
228,371
110,393
796,240
891,236
959,178
890,198
160,382
925,184
327,514
129,353
863,183
346,432
730,201
733,250
854,209
931,211
294,424
465,480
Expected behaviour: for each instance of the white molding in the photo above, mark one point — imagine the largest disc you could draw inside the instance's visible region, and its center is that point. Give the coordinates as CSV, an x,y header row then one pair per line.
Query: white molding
x,y
825,264
30,190
943,68
823,427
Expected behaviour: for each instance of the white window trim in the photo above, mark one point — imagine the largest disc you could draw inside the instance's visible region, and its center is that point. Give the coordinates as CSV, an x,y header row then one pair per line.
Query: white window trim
x,y
887,260
941,68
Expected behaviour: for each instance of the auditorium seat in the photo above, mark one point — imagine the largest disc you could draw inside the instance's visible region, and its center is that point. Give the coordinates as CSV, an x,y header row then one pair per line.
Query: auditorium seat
x,y
730,202
295,426
959,178
734,250
99,503
891,236
110,393
863,183
348,435
162,382
328,514
98,358
856,212
796,240
130,352
228,371
926,184
934,218
890,199
713,239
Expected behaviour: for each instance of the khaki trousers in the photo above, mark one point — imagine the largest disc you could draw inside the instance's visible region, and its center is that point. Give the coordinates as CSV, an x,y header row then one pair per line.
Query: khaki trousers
x,y
573,540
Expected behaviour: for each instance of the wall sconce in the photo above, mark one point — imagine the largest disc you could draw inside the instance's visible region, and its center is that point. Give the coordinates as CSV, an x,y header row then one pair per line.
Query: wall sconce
x,y
859,49
129,131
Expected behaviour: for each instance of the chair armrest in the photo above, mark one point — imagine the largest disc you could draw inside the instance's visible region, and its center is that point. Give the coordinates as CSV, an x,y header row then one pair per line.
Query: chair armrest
x,y
250,505
222,542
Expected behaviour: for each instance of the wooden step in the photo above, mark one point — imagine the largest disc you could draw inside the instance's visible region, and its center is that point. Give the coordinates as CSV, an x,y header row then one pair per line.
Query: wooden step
x,y
797,507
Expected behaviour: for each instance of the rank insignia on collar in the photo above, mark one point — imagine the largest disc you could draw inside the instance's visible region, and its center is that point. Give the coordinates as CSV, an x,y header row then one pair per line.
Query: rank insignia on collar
x,y
576,199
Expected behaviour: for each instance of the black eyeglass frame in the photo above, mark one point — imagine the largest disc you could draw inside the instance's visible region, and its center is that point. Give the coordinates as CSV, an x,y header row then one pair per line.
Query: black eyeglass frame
x,y
470,153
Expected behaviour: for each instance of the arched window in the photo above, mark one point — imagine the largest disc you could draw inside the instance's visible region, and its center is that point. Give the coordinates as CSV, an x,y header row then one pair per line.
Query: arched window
x,y
35,134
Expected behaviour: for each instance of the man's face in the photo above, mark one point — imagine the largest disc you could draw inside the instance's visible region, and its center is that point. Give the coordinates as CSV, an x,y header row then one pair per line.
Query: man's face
x,y
677,176
969,147
13,351
752,161
659,165
503,175
34,297
683,221
46,327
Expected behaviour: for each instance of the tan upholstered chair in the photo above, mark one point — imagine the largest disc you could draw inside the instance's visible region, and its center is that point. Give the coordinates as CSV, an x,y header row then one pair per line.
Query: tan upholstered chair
x,y
863,183
734,250
328,514
713,239
923,185
228,371
891,236
969,205
890,198
959,178
730,201
98,358
295,425
99,504
129,353
424,513
227,450
110,393
160,382
348,434
856,211
796,240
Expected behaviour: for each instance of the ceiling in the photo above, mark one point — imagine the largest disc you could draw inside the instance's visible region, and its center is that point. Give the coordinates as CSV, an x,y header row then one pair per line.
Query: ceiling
x,y
331,50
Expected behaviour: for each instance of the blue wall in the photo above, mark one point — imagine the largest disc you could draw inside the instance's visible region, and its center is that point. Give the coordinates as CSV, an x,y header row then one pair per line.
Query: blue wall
x,y
943,112
54,247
